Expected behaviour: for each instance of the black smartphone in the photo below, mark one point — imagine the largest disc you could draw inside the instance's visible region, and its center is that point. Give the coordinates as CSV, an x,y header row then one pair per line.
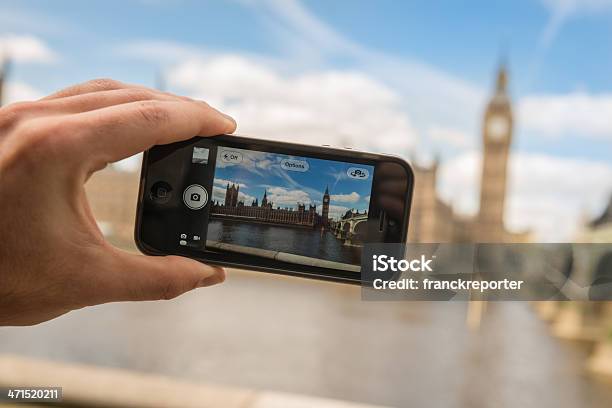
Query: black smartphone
x,y
270,206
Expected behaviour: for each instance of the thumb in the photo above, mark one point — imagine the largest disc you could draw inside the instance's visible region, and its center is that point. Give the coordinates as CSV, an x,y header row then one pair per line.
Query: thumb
x,y
140,277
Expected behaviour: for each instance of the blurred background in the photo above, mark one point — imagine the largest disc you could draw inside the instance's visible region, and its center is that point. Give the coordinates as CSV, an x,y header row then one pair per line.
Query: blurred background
x,y
503,108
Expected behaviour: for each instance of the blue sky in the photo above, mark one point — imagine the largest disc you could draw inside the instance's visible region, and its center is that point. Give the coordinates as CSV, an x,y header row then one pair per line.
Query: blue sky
x,y
260,172
464,37
410,78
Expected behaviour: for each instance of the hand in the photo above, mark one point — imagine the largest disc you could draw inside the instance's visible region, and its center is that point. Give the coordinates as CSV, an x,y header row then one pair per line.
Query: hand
x,y
53,257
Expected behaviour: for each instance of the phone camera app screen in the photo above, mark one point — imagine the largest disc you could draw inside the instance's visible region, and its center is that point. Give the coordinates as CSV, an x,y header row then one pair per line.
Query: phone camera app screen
x,y
291,208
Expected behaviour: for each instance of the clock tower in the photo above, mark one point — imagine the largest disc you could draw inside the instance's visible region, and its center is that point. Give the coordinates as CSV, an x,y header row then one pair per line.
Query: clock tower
x,y
497,136
325,209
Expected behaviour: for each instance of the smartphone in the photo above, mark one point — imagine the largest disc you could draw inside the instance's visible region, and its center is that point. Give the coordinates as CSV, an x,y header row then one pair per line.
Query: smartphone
x,y
270,206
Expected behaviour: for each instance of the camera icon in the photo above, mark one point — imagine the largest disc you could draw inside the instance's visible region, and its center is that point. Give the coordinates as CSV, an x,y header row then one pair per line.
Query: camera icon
x,y
195,197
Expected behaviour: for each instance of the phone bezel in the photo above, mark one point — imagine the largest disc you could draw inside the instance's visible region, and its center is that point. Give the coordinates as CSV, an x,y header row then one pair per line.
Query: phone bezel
x,y
248,143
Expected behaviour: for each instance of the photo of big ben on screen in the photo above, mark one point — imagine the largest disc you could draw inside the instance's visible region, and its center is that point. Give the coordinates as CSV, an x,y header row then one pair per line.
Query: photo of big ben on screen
x,y
295,205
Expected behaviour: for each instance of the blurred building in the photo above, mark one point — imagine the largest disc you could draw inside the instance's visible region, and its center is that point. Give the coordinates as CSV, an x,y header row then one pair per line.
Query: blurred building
x,y
113,197
433,220
4,65
598,229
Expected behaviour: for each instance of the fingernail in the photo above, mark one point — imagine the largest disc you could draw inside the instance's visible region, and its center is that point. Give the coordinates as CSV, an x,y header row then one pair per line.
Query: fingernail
x,y
232,122
217,275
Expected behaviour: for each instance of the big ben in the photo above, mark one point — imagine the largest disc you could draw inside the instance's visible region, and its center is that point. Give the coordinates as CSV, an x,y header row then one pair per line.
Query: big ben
x,y
325,209
497,137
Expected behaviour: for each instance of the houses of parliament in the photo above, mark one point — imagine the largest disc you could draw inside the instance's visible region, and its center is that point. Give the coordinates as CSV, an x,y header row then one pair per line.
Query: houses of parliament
x,y
112,193
265,212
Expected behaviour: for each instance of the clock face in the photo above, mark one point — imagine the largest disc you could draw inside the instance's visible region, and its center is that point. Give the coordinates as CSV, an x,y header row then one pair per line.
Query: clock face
x,y
498,127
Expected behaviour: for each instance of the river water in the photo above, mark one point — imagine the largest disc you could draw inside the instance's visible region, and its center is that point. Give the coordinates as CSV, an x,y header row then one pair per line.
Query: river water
x,y
319,338
309,242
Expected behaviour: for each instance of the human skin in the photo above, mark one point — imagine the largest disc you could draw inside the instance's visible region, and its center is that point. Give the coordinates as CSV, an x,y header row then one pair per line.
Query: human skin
x,y
53,256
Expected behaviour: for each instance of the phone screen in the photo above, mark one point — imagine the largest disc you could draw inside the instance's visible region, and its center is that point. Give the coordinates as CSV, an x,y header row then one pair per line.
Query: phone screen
x,y
287,205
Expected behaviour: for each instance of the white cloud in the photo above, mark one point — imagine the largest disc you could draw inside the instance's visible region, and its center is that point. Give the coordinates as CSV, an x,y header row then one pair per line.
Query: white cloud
x,y
224,182
283,197
331,106
428,93
337,211
26,48
293,96
17,91
578,113
552,193
546,194
218,194
245,198
345,198
263,164
459,179
450,136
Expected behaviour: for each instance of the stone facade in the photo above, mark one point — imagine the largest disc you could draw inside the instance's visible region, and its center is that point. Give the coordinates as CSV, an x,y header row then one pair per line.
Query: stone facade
x,y
265,212
431,218
113,197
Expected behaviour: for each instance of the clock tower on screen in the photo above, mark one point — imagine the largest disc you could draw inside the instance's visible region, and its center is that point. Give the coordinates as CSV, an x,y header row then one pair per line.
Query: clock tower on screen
x,y
497,136
325,210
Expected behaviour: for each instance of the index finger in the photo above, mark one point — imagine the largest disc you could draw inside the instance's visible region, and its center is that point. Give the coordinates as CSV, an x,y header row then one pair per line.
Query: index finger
x,y
116,132
94,85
